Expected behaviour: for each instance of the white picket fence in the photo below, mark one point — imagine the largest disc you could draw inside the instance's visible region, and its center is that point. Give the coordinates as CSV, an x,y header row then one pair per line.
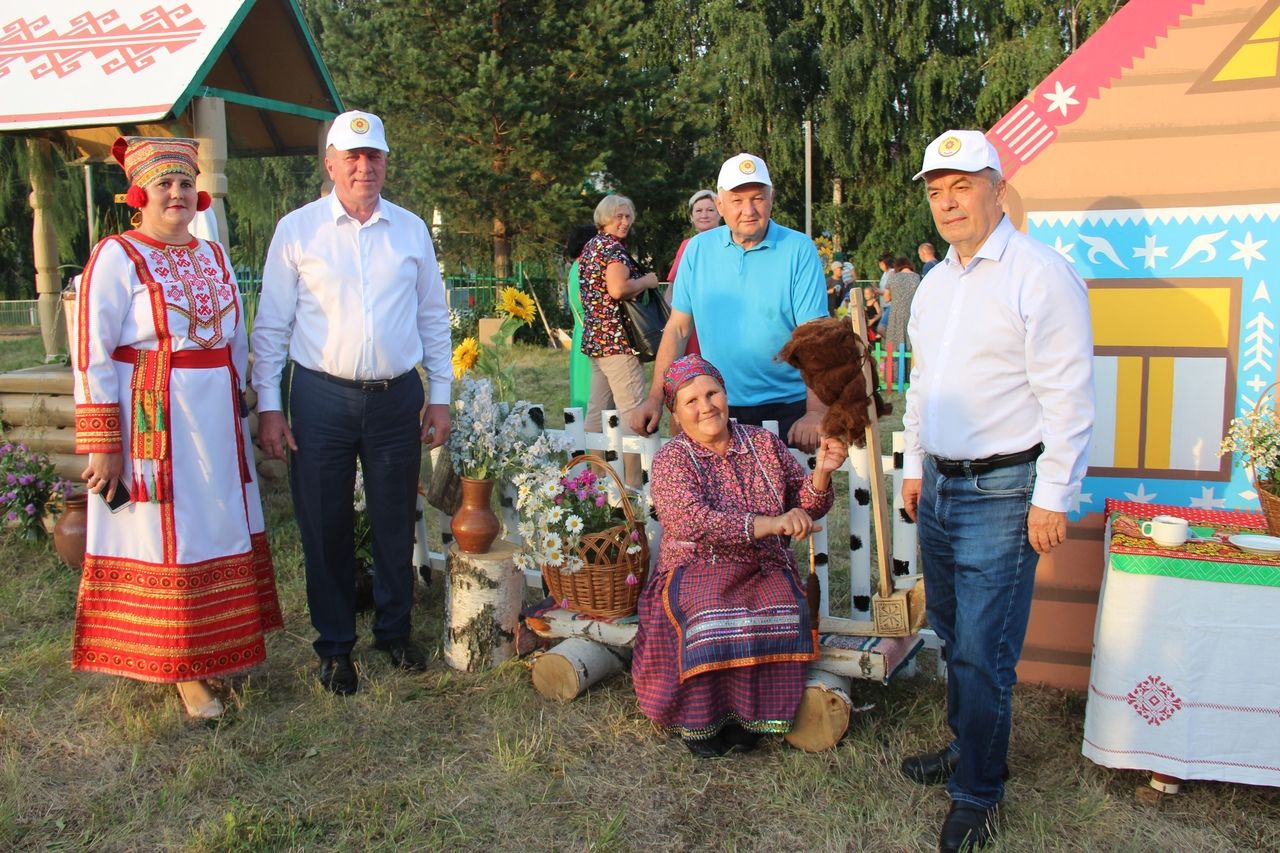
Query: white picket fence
x,y
852,479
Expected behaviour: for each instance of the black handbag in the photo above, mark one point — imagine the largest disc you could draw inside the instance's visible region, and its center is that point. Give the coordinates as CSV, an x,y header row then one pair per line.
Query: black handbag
x,y
643,317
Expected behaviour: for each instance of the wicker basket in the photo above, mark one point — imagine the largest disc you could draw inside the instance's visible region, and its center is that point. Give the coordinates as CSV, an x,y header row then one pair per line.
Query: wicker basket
x,y
600,588
1270,508
1270,503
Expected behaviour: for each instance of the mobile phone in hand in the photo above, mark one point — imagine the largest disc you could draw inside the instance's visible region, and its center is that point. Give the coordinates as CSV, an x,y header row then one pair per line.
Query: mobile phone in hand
x,y
119,500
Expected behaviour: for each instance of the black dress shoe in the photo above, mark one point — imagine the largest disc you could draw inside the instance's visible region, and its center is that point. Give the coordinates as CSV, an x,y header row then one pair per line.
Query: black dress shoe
x,y
935,768
931,768
404,655
338,675
735,737
711,747
967,828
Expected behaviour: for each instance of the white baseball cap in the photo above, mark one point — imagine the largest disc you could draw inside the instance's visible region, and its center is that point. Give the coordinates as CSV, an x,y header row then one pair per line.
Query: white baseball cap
x,y
356,129
960,151
743,169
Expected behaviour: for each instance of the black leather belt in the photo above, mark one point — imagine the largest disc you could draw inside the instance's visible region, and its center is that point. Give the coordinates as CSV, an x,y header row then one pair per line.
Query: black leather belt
x,y
359,384
960,467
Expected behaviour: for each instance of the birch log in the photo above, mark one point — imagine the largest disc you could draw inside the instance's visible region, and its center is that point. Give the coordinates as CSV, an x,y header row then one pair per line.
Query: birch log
x,y
574,665
823,716
482,607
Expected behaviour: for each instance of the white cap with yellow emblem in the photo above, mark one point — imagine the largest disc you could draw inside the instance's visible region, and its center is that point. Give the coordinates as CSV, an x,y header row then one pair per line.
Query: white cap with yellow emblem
x,y
356,129
743,169
960,151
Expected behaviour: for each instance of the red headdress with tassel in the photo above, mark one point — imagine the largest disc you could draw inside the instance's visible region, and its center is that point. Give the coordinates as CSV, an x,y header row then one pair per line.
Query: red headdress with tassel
x,y
145,159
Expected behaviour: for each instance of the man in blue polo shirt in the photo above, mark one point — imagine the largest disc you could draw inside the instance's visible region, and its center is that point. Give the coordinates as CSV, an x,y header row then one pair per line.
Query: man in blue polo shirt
x,y
746,285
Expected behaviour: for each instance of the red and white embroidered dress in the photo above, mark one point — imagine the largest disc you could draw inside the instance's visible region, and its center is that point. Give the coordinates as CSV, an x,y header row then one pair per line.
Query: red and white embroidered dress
x,y
179,584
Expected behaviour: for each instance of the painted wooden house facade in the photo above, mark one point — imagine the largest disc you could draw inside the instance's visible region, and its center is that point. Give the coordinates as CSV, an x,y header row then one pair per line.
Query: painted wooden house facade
x,y
1148,159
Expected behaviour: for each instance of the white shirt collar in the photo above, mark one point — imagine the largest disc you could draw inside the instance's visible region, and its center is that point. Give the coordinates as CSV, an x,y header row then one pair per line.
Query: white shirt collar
x,y
992,249
337,212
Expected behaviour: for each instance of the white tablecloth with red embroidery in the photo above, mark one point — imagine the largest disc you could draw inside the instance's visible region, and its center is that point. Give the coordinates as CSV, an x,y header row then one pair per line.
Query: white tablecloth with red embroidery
x,y
1186,673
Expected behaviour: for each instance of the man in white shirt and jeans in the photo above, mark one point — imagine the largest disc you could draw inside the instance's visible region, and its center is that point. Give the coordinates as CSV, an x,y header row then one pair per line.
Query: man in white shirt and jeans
x,y
351,291
997,425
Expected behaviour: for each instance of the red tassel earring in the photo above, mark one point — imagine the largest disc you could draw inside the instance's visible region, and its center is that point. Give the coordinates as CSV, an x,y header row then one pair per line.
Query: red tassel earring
x,y
136,197
203,200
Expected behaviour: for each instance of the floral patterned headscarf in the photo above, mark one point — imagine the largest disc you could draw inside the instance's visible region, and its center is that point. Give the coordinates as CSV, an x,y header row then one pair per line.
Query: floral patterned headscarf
x,y
682,371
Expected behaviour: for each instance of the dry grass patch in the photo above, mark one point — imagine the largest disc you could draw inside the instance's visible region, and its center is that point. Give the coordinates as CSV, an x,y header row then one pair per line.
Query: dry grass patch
x,y
454,761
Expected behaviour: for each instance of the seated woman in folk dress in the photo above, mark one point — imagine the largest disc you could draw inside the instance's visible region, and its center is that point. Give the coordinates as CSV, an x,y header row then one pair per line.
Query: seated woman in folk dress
x,y
725,638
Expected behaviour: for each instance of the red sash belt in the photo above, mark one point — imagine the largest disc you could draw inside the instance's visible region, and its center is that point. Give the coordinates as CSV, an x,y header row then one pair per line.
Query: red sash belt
x,y
220,357
149,408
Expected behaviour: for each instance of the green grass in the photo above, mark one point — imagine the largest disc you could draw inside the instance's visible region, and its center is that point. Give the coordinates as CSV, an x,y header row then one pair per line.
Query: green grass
x,y
455,761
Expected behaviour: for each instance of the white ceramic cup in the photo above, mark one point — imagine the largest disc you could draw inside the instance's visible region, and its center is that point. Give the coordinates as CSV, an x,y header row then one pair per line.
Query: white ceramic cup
x,y
1167,531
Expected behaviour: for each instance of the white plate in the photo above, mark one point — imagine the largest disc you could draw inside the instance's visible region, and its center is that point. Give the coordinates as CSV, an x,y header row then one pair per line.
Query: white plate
x,y
1256,544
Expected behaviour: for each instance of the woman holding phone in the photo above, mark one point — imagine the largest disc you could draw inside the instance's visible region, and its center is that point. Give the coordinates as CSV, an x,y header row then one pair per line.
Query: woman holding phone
x,y
177,585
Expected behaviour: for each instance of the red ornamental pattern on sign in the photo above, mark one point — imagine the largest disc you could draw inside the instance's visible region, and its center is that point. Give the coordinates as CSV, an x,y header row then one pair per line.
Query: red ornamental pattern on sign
x,y
119,47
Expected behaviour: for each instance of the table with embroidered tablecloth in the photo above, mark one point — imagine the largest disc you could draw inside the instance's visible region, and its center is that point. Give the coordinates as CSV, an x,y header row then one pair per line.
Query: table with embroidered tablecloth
x,y
1185,679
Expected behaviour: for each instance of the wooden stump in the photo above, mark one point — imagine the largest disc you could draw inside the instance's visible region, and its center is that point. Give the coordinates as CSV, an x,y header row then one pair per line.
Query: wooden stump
x,y
574,665
482,607
823,716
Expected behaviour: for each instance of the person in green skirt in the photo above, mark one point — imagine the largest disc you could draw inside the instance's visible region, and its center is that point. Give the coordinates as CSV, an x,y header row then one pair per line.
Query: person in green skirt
x,y
579,364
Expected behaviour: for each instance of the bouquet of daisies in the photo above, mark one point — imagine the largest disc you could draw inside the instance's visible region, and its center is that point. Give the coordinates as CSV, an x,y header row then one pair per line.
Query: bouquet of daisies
x,y
557,509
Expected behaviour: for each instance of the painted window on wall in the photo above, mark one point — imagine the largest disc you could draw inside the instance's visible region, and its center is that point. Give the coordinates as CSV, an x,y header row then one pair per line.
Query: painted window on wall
x,y
1164,369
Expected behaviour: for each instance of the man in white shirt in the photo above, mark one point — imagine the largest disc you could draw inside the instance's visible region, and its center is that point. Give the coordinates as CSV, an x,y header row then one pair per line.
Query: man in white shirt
x,y
997,425
351,291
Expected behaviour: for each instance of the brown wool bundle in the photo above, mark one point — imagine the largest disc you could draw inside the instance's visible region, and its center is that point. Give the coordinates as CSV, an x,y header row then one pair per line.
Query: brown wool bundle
x,y
829,356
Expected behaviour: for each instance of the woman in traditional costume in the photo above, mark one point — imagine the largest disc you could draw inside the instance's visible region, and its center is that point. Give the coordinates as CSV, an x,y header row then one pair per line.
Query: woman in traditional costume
x,y
177,585
725,635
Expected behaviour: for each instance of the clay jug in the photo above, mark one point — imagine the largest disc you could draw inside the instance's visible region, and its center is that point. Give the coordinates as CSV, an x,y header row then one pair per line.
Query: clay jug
x,y
474,525
70,531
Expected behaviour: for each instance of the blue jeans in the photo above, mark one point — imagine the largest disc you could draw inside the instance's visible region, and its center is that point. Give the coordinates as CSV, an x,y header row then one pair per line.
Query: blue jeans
x,y
979,573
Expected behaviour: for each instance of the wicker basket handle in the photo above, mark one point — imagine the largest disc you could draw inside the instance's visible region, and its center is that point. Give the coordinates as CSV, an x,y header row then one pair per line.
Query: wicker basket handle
x,y
622,488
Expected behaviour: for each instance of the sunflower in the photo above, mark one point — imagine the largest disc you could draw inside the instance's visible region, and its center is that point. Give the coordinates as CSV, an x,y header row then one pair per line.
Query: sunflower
x,y
516,303
464,357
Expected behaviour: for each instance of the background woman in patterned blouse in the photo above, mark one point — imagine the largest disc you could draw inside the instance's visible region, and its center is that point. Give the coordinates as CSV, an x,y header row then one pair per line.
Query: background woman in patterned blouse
x,y
725,638
607,273
177,585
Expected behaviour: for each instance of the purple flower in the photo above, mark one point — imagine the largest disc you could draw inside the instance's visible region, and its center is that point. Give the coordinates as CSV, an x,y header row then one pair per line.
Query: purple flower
x,y
13,516
26,480
600,500
631,579
12,479
559,499
22,448
40,484
30,508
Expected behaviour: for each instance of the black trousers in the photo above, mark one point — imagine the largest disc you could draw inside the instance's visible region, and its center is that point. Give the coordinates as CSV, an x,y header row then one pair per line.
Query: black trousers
x,y
786,414
333,425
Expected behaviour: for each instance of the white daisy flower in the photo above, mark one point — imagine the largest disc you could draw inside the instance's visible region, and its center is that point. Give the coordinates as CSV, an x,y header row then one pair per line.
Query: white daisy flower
x,y
574,524
554,557
551,541
575,565
555,514
550,490
633,548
